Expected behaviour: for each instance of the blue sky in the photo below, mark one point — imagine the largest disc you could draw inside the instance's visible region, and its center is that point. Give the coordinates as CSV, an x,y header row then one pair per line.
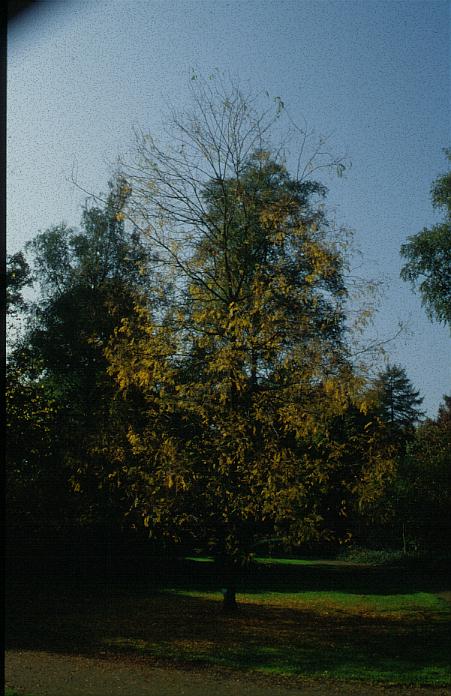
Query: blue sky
x,y
373,75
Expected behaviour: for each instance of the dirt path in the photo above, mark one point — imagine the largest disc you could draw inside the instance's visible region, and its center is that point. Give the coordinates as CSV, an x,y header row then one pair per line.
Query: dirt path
x,y
49,674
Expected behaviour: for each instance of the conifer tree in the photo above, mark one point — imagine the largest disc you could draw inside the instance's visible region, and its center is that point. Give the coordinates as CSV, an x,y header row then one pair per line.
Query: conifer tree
x,y
398,401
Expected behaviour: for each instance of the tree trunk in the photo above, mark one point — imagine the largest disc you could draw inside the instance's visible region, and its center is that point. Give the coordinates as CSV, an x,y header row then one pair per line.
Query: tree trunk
x,y
228,572
229,604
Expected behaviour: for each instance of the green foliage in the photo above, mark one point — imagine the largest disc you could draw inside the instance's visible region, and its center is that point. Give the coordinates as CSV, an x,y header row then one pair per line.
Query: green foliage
x,y
397,402
423,485
417,498
89,280
30,462
359,554
18,276
428,256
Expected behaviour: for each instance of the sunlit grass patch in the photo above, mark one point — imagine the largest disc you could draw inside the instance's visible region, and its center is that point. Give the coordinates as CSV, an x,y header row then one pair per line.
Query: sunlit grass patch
x,y
403,605
263,560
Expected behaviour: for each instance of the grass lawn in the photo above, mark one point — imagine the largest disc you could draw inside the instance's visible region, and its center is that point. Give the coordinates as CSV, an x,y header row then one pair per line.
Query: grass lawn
x,y
306,618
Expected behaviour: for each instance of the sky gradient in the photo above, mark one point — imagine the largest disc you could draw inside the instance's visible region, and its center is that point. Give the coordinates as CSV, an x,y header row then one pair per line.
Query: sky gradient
x,y
373,75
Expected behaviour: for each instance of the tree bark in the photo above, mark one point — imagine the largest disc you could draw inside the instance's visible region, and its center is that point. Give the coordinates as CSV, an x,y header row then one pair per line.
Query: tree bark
x,y
229,604
228,571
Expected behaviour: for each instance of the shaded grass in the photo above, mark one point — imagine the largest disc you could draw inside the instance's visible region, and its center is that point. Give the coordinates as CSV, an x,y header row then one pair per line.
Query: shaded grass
x,y
295,619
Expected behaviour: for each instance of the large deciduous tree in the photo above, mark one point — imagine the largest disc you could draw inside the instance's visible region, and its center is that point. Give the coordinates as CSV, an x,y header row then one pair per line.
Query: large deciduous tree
x,y
428,255
245,368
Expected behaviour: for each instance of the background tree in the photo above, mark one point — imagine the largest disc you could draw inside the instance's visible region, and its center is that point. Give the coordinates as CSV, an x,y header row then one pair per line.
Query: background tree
x,y
88,281
444,411
244,369
18,276
428,255
422,488
397,402
36,490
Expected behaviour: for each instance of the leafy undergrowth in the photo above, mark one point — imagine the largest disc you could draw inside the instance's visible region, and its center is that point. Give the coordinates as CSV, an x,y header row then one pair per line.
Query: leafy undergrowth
x,y
295,619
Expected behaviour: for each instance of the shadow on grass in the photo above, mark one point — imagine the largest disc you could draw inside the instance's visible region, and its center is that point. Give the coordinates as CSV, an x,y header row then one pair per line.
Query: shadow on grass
x,y
313,576
125,613
145,573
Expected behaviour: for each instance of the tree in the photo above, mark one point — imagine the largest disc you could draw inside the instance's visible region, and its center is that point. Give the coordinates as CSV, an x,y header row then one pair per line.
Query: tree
x,y
428,255
18,276
397,401
246,365
89,280
422,488
444,411
397,404
36,490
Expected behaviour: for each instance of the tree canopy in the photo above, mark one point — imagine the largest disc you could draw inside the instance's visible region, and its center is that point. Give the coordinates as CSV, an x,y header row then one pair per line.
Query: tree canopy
x,y
18,276
89,279
428,255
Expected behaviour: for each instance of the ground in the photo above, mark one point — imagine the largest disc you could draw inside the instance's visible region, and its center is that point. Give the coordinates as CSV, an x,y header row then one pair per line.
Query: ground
x,y
47,674
303,627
